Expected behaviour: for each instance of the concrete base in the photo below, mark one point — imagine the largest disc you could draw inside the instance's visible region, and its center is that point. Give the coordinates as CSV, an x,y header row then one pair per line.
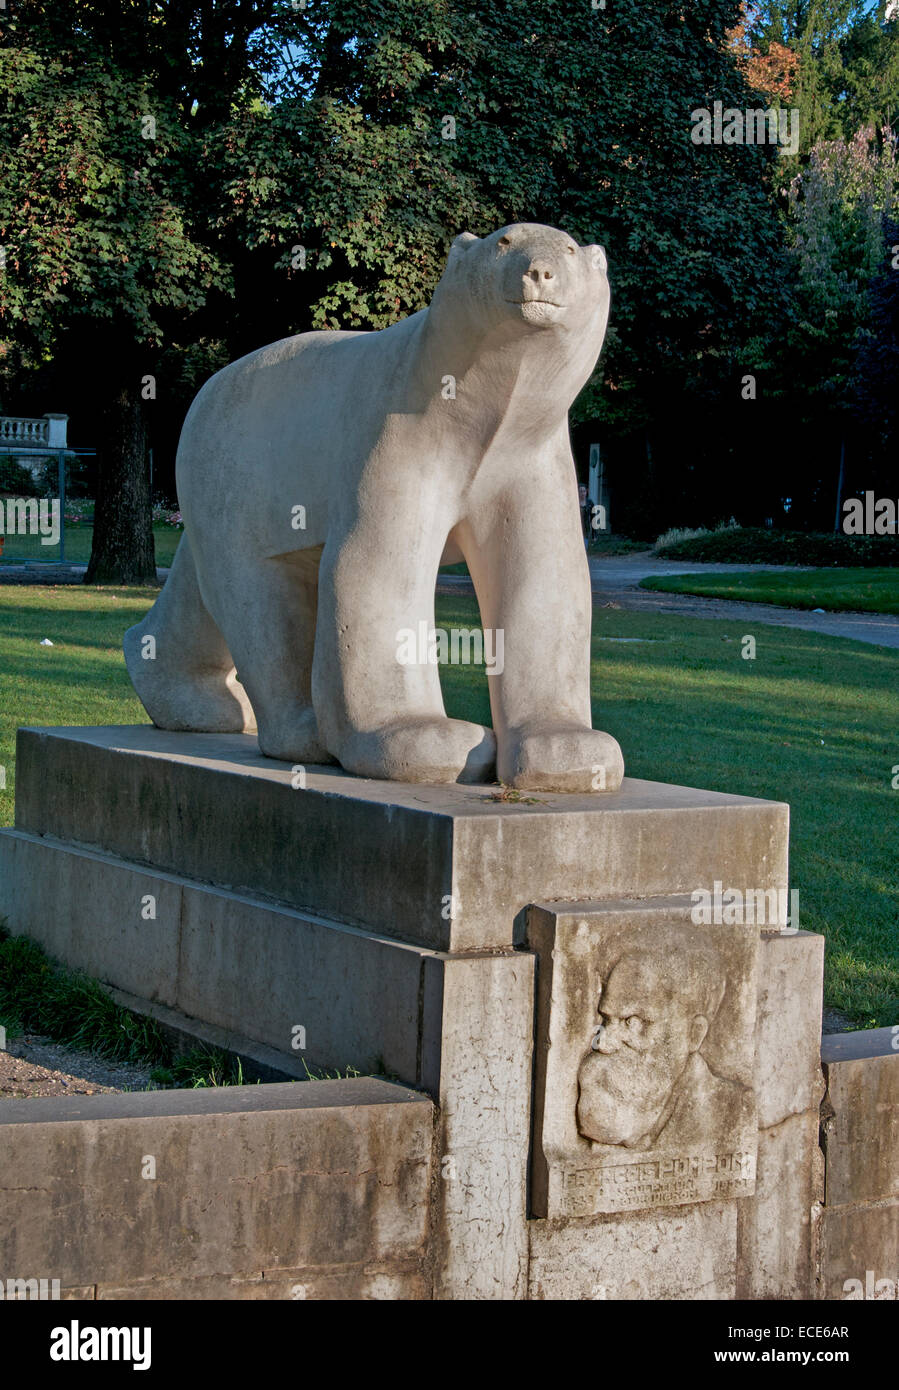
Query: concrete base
x,y
343,922
447,867
315,1190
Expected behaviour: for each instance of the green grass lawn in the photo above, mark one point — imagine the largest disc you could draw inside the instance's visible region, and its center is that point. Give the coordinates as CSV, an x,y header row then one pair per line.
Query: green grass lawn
x,y
78,546
854,590
813,721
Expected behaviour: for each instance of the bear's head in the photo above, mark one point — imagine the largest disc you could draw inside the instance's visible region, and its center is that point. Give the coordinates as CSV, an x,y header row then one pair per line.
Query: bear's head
x,y
532,277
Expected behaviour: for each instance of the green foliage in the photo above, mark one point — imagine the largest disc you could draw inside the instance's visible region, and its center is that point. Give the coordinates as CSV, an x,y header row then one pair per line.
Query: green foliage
x,y
17,480
755,546
94,217
43,997
848,69
876,369
203,1066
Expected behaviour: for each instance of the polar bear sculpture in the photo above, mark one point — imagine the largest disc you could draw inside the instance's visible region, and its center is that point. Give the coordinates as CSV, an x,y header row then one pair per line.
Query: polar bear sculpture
x,y
325,478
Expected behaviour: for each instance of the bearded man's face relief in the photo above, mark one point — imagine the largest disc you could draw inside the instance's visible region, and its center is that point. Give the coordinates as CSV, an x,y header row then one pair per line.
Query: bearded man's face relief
x,y
628,1079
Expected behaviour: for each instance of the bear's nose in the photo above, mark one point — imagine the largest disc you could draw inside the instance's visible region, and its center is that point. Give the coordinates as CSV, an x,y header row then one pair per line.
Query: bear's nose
x,y
538,271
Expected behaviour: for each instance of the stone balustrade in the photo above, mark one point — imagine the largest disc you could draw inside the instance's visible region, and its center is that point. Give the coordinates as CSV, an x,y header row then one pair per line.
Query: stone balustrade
x,y
46,432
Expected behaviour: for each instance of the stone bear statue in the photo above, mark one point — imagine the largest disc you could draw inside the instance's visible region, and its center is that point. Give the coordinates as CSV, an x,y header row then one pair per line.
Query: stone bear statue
x,y
324,479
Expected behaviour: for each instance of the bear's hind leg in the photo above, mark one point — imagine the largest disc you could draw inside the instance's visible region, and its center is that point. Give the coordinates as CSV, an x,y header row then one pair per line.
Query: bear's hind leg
x,y
270,608
179,662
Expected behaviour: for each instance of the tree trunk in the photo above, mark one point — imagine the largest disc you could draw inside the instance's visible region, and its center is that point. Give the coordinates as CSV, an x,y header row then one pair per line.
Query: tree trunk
x,y
122,550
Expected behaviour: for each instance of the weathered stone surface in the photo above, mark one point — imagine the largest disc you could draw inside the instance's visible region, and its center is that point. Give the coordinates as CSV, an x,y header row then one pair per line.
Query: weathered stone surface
x,y
85,909
788,1077
479,1013
246,1179
387,1283
860,1244
645,1058
862,1134
255,971
682,1253
777,1228
393,470
446,867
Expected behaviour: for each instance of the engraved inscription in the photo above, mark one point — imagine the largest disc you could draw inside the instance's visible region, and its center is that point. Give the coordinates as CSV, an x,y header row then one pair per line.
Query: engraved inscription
x,y
667,1181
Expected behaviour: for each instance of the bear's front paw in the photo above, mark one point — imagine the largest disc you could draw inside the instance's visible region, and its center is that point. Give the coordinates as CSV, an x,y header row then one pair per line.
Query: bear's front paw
x,y
422,750
560,758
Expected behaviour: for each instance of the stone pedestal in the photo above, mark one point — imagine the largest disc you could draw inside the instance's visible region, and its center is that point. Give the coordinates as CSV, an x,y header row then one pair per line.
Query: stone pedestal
x,y
462,945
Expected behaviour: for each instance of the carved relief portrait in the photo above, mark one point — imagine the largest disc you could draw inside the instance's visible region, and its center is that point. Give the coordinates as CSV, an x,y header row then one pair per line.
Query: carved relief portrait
x,y
645,1058
643,1080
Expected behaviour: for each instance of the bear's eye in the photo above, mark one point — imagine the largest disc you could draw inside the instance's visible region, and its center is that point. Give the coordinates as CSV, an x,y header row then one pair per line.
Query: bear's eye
x,y
571,250
504,241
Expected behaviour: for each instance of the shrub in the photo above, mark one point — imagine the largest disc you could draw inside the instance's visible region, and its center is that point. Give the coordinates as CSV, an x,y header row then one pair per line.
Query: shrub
x,y
676,534
755,546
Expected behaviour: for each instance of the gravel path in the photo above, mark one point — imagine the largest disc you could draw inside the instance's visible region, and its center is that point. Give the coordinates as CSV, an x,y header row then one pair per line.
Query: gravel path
x,y
35,1066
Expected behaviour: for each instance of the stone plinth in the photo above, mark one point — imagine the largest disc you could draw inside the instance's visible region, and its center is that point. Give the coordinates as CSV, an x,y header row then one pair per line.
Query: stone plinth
x,y
447,867
339,921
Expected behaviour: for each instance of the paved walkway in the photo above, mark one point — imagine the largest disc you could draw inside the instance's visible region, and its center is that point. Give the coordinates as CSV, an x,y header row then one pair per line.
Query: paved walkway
x,y
34,572
616,580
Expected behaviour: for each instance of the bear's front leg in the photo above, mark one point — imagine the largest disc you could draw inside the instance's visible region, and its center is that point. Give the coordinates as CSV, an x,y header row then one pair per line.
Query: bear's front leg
x,y
526,555
380,713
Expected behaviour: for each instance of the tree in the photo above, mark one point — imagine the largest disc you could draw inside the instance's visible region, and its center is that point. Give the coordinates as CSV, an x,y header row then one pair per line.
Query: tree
x,y
418,129
876,371
311,166
840,57
836,209
101,258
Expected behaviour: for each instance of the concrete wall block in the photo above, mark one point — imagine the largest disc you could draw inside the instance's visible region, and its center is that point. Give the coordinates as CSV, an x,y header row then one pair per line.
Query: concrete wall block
x,y
789,1080
778,1227
116,921
384,855
862,1133
246,1179
483,1007
860,1251
678,1253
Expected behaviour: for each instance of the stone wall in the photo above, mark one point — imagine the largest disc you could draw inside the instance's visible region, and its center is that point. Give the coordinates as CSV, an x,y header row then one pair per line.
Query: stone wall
x,y
860,1221
313,1190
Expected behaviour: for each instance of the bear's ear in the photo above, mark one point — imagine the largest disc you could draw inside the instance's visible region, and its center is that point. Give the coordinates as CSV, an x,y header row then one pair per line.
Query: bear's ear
x,y
463,241
597,257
